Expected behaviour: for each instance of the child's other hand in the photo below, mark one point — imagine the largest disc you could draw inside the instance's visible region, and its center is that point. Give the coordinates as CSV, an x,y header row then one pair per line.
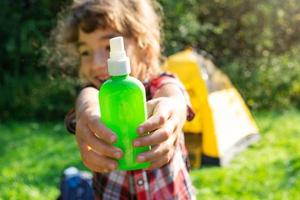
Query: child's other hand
x,y
164,125
95,141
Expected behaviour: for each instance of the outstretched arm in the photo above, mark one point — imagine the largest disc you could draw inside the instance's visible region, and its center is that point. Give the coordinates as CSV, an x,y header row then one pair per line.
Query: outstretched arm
x,y
167,115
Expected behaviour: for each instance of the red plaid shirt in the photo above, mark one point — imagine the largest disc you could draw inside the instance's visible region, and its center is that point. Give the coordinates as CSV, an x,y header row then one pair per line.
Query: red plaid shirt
x,y
171,181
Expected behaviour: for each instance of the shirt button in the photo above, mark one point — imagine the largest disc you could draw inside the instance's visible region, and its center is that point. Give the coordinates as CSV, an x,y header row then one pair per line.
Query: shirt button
x,y
140,182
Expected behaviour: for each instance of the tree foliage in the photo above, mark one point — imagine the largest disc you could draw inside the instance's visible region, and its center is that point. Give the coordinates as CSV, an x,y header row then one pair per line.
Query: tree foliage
x,y
255,41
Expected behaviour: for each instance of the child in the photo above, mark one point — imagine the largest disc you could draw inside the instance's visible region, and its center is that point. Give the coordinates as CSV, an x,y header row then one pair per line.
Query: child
x,y
89,26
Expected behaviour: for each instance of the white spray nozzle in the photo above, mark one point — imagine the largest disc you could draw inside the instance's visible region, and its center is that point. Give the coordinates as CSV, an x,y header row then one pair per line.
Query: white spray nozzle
x,y
118,62
117,50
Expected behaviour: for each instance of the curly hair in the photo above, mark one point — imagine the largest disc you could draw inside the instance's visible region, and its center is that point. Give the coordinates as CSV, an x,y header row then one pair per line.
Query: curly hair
x,y
135,19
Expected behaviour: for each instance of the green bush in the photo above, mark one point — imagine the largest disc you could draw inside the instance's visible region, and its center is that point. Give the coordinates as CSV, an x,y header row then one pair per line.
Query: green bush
x,y
255,42
37,97
251,40
271,82
231,29
28,88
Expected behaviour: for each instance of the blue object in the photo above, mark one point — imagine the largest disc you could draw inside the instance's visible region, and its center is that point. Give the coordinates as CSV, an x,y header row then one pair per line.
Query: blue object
x,y
76,185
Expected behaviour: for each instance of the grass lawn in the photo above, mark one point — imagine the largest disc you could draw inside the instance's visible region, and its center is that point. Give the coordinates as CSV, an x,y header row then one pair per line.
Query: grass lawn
x,y
33,156
270,169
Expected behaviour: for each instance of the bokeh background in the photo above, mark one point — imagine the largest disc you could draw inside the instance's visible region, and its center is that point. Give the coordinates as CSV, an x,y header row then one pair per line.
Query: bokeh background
x,y
255,42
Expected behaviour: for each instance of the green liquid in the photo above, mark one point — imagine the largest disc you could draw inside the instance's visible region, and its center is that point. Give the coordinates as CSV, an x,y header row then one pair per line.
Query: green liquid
x,y
123,108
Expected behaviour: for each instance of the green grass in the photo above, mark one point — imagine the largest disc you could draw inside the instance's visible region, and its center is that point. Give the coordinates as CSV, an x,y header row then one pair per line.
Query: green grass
x,y
270,169
33,156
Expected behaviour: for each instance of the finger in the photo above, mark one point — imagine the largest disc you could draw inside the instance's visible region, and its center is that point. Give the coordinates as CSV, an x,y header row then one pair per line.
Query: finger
x,y
151,104
101,131
95,166
160,115
159,150
80,130
101,147
157,137
174,129
159,163
155,153
87,138
96,162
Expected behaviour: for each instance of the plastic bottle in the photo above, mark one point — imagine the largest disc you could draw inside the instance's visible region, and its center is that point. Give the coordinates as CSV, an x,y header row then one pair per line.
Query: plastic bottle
x,y
123,105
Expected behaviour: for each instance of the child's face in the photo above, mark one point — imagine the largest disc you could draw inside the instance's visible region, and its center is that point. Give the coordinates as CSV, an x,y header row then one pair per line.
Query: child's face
x,y
94,52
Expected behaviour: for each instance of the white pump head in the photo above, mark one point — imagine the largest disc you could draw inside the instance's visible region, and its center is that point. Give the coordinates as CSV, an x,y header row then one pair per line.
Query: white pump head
x,y
117,48
118,63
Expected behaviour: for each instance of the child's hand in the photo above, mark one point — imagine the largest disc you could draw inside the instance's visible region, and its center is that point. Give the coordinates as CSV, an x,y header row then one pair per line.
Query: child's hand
x,y
164,125
95,141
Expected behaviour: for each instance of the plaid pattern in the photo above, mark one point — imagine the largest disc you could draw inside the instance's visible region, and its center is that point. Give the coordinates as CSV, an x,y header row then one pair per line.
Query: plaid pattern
x,y
170,182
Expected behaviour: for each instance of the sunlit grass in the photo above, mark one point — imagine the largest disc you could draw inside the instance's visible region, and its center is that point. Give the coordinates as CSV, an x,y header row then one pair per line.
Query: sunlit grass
x,y
33,156
32,159
270,169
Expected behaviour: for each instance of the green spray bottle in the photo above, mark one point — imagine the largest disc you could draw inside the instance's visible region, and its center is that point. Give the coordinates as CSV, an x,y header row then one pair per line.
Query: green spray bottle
x,y
123,105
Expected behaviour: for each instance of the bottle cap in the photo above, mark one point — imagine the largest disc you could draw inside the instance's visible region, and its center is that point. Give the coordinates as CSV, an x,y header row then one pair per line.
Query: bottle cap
x,y
118,62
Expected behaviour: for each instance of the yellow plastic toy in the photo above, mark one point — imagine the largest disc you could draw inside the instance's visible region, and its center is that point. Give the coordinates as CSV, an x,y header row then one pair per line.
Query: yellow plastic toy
x,y
223,125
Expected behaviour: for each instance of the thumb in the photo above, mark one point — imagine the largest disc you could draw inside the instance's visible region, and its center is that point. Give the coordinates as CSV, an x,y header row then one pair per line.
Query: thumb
x,y
151,104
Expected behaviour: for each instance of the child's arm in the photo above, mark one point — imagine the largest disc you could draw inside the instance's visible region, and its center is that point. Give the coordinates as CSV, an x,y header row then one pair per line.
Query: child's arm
x,y
167,114
93,138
